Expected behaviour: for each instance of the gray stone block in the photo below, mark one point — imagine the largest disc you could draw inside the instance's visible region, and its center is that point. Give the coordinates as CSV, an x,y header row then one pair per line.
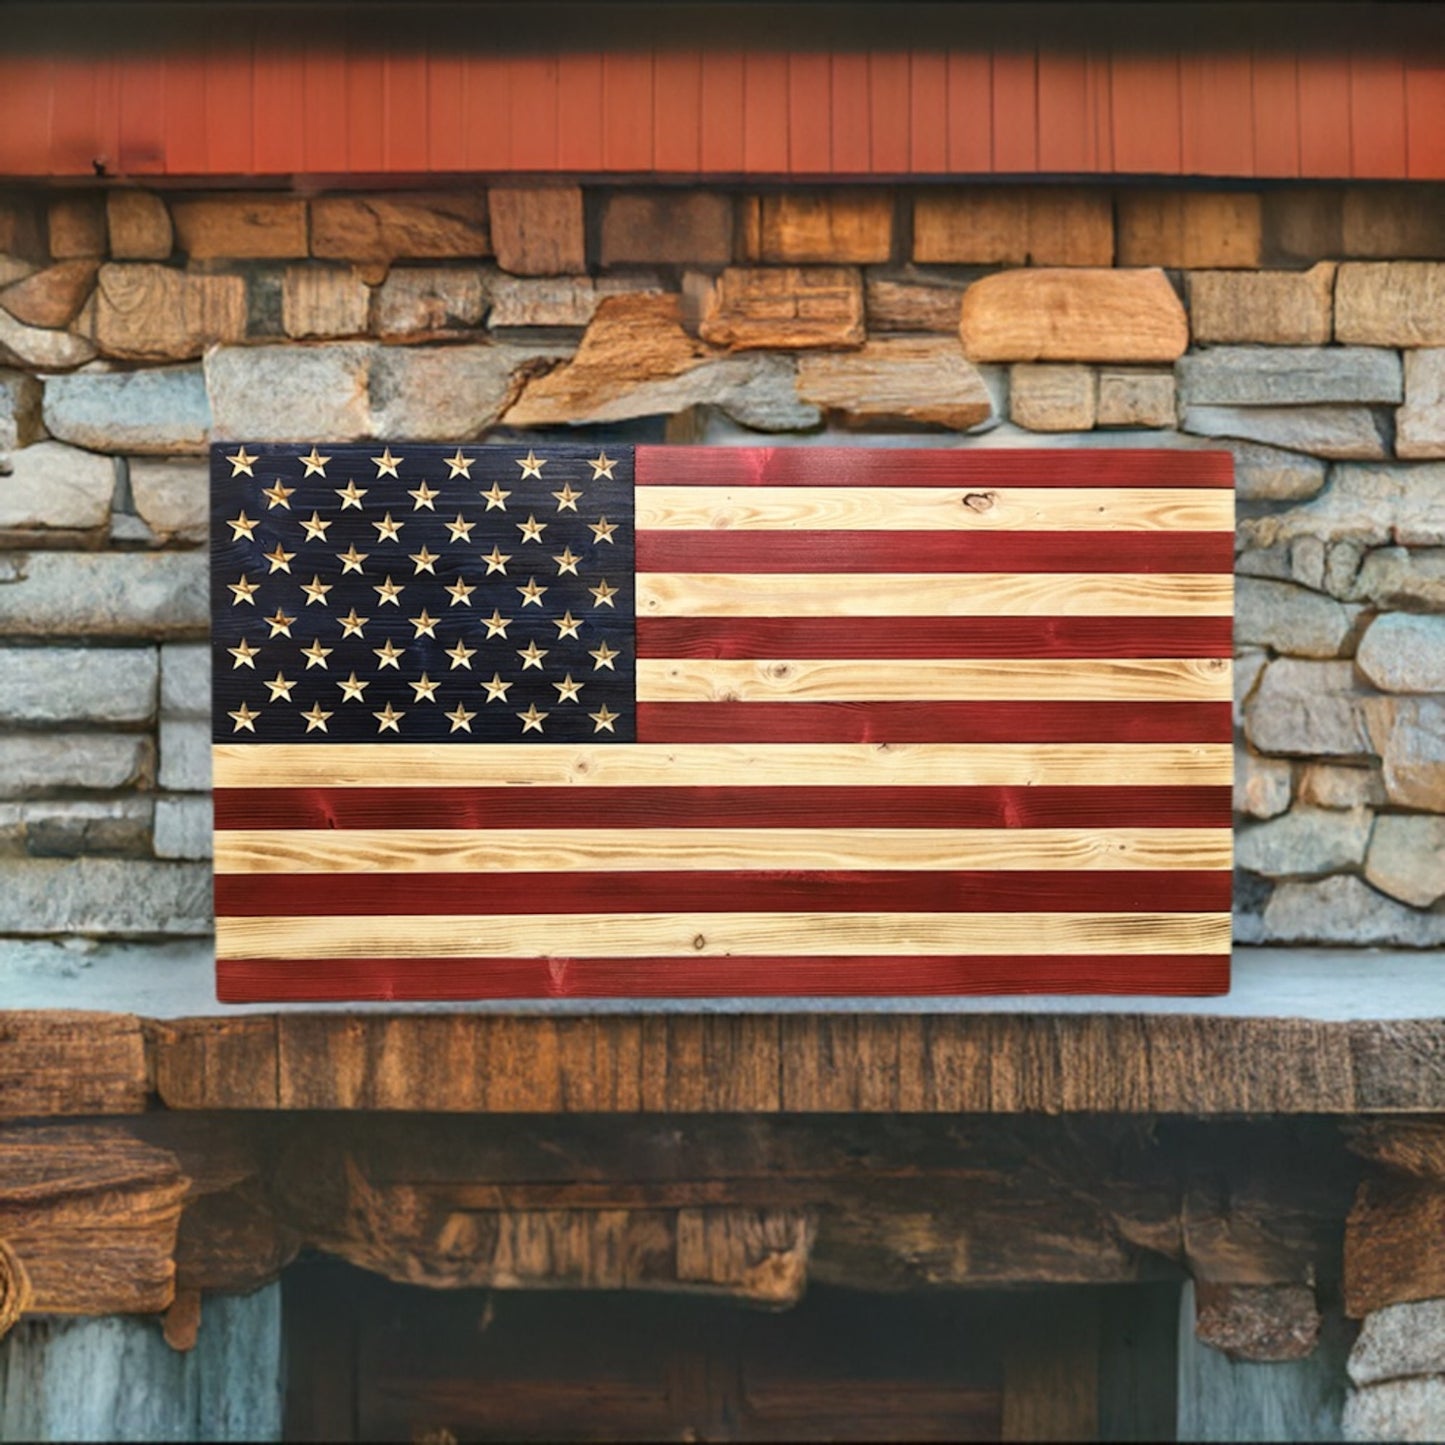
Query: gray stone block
x,y
1404,653
116,594
73,684
1262,786
172,498
186,680
1346,910
1305,843
1400,1340
20,423
1338,432
290,393
1407,860
437,393
109,827
1420,423
157,411
1370,505
1397,1410
185,755
1289,375
55,488
1290,619
1414,754
1403,577
183,827
35,763
44,350
1264,473
1302,708
103,896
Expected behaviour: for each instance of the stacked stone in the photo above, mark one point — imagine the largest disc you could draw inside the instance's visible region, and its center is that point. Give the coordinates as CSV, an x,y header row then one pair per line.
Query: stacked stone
x,y
1398,1370
1303,330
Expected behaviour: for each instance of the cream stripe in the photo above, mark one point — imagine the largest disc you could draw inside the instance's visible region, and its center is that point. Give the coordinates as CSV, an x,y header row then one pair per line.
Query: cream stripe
x,y
931,594
932,509
719,935
1079,680
405,765
631,850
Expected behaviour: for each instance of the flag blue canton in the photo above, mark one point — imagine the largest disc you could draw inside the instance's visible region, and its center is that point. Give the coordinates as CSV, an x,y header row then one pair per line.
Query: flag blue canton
x,y
422,594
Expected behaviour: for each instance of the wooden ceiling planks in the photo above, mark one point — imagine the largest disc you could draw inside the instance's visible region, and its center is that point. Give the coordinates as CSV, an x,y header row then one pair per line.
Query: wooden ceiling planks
x,y
360,96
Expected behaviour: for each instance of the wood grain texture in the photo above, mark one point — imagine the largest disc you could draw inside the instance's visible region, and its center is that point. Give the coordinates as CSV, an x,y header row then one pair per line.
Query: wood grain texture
x,y
639,849
679,934
946,680
949,1063
56,1064
903,594
866,508
1392,1252
759,764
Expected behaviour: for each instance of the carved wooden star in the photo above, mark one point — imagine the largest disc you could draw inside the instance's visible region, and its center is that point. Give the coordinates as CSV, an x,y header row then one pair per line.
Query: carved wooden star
x,y
243,655
351,496
314,463
316,655
352,688
316,718
244,717
242,526
388,719
531,465
241,463
532,720
386,464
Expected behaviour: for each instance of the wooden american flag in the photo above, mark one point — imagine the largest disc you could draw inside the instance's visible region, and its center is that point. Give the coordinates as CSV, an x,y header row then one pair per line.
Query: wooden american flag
x,y
866,721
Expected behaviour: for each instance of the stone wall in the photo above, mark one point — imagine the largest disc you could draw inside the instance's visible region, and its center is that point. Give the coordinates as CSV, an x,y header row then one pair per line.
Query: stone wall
x,y
1303,329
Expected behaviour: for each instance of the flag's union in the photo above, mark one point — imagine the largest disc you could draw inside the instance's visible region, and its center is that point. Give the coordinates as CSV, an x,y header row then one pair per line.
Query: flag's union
x,y
520,721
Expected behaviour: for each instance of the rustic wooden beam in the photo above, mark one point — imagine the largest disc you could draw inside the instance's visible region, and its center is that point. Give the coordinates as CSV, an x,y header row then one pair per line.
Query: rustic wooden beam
x,y
776,1063
1392,1244
1408,1146
56,1063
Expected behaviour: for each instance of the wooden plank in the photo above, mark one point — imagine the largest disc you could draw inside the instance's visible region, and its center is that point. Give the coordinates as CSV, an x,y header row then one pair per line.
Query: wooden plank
x,y
970,113
405,112
979,594
1133,680
851,140
322,118
1392,1253
579,112
1066,141
967,1063
230,99
1015,112
142,148
487,112
810,100
1145,113
1217,125
535,123
888,113
1325,124
445,89
637,849
1275,111
627,111
928,111
1425,119
1377,116
886,509
677,87
279,143
402,765
55,1063
722,101
1051,1374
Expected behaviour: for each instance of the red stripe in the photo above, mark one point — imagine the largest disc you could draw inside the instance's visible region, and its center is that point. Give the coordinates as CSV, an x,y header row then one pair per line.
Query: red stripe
x,y
689,807
263,895
731,551
298,980
914,637
928,467
938,722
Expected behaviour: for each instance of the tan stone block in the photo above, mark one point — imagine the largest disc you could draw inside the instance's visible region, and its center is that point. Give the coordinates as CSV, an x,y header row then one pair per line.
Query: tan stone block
x,y
380,229
853,225
754,308
323,301
240,227
1068,314
1052,398
51,297
1394,222
667,227
1420,423
915,381
77,226
555,300
1279,308
1044,226
140,226
538,230
1189,229
901,302
1391,303
1136,398
144,311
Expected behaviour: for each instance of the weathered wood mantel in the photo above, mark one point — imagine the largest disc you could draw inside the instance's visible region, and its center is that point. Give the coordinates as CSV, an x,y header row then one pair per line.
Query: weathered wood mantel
x,y
148,1162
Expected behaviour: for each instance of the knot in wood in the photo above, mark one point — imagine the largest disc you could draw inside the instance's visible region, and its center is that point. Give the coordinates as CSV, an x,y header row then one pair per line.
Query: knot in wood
x,y
15,1293
979,501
